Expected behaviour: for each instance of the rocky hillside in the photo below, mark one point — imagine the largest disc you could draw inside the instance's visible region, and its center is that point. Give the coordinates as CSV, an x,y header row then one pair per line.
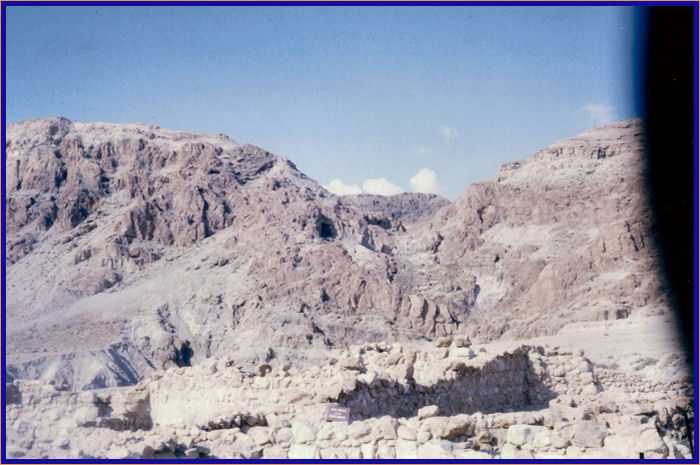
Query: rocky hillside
x,y
564,235
131,248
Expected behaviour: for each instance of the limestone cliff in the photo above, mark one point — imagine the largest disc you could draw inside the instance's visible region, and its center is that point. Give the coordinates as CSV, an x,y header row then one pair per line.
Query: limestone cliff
x,y
132,248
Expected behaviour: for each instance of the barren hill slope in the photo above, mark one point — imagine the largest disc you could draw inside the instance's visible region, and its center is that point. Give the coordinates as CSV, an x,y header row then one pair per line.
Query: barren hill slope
x,y
564,235
132,248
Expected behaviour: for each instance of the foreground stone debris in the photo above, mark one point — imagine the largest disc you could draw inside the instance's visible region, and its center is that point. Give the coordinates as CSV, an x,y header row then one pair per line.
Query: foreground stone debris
x,y
419,400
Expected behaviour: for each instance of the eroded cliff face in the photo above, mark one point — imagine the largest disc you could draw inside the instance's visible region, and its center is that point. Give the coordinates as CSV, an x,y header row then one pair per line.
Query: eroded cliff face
x,y
132,248
565,235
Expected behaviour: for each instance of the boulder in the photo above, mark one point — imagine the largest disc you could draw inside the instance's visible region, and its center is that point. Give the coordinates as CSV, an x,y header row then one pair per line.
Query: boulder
x,y
406,449
520,435
428,411
436,450
587,433
303,452
385,428
303,433
359,429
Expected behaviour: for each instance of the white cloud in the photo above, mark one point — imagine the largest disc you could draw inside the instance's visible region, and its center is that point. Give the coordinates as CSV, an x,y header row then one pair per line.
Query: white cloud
x,y
424,181
599,113
448,133
380,186
339,188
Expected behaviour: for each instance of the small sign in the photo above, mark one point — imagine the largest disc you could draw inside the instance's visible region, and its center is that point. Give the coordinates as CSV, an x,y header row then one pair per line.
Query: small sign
x,y
334,413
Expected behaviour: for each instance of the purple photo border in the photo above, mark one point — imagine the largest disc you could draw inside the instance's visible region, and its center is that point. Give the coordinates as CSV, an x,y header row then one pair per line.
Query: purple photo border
x,y
694,4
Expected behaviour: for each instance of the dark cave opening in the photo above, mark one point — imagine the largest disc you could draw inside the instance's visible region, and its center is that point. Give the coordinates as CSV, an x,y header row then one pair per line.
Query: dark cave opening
x,y
325,227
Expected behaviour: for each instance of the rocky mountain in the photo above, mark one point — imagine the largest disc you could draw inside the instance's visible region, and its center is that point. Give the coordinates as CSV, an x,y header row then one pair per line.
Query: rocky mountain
x,y
564,235
132,248
178,295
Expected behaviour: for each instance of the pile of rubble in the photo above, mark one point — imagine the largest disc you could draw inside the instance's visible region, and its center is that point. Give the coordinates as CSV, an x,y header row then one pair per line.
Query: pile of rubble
x,y
424,400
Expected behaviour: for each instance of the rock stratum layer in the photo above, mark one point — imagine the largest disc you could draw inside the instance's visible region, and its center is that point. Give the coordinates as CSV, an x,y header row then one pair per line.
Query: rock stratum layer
x,y
132,249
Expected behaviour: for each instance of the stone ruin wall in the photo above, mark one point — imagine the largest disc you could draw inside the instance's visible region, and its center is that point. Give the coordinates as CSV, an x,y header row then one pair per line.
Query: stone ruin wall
x,y
510,381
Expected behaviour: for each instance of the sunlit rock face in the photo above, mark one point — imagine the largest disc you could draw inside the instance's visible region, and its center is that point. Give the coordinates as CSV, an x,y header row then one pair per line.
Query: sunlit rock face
x,y
154,269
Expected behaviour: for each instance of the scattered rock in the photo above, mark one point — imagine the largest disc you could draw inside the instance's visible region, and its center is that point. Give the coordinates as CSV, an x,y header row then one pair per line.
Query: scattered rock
x,y
443,342
428,412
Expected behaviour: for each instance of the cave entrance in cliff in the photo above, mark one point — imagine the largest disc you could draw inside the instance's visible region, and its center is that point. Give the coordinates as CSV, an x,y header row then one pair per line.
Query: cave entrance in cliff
x,y
326,229
183,356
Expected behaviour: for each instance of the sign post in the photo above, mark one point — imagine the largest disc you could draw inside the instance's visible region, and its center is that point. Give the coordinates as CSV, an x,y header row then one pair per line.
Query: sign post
x,y
335,413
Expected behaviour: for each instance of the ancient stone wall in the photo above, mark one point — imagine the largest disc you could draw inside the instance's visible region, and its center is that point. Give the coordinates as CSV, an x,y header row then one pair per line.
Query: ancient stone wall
x,y
507,382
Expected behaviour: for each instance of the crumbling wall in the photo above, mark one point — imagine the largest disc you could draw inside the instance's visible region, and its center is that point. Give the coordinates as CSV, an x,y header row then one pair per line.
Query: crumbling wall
x,y
510,381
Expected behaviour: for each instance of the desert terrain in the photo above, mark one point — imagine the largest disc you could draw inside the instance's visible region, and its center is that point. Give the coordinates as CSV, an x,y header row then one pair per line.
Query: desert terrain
x,y
178,295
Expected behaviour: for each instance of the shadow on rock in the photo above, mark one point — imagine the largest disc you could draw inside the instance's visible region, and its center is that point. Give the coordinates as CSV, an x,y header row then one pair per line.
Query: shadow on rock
x,y
509,382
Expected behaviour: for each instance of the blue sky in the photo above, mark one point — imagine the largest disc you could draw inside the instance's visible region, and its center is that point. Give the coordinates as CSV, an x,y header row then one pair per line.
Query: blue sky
x,y
347,93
